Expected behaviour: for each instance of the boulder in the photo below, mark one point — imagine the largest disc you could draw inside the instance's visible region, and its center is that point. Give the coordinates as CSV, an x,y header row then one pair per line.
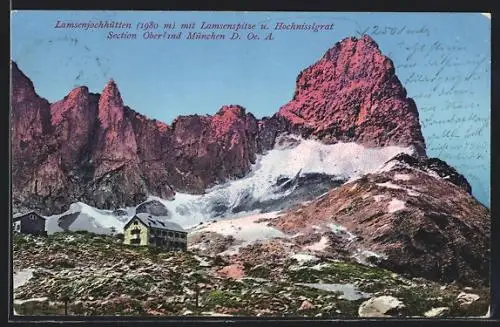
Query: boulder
x,y
466,299
437,312
382,306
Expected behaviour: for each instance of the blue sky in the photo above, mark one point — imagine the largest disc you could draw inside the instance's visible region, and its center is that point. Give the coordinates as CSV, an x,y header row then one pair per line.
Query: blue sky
x,y
166,78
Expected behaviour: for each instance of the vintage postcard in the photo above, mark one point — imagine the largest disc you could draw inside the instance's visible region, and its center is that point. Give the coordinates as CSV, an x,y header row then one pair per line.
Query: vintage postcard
x,y
327,165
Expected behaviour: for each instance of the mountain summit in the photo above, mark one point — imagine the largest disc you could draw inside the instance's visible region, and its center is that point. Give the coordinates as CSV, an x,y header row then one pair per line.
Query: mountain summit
x,y
353,94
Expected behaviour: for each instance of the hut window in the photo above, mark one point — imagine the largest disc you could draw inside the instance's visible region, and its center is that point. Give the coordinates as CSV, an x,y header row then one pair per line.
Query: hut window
x,y
136,223
170,234
176,234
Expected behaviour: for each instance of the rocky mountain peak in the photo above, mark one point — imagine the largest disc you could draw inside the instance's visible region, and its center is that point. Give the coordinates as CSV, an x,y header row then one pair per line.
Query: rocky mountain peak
x,y
111,92
77,99
22,87
434,166
81,91
232,110
365,43
110,104
353,95
229,119
111,86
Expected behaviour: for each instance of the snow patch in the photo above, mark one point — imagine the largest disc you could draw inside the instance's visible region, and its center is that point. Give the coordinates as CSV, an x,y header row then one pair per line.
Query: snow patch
x,y
390,185
361,256
378,198
322,195
432,173
34,299
203,262
402,177
88,219
215,314
318,246
198,246
412,192
339,229
398,187
395,205
319,266
244,229
21,277
70,238
388,166
303,258
339,159
234,249
256,279
348,291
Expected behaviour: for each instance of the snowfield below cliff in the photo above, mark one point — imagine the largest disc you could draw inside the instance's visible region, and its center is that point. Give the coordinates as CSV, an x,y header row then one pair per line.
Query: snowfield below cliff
x,y
82,217
295,171
247,229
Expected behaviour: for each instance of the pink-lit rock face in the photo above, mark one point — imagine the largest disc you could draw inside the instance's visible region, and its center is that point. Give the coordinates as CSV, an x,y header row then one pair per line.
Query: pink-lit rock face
x,y
353,94
30,122
73,120
210,149
30,115
92,148
115,142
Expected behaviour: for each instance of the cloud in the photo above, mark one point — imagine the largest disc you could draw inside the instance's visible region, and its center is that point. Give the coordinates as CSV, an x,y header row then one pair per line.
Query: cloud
x,y
486,14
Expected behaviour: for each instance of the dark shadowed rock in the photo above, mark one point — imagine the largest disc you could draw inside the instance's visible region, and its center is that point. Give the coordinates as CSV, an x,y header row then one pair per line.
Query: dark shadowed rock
x,y
65,221
435,166
154,207
120,212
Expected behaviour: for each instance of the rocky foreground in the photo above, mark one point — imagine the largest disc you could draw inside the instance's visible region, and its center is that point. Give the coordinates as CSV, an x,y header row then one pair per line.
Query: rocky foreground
x,y
98,275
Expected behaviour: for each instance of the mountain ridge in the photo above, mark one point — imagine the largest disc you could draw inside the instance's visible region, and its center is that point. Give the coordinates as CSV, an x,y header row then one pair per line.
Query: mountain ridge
x,y
121,156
